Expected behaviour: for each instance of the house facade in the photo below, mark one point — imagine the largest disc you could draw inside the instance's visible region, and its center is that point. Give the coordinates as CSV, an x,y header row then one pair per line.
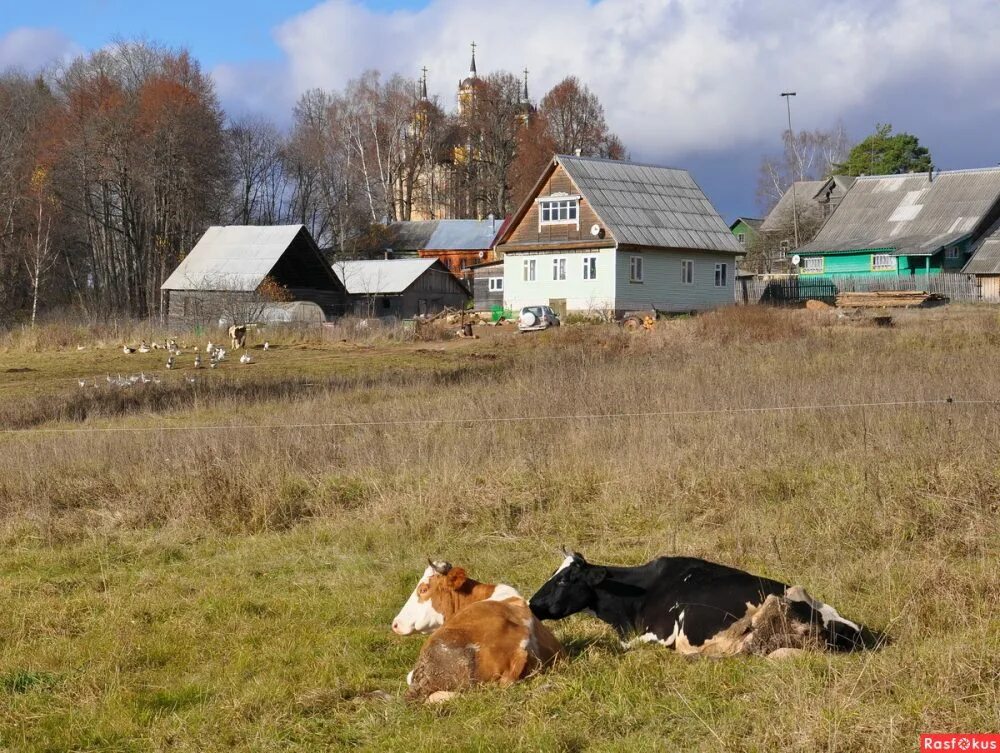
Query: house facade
x,y
746,230
603,236
905,225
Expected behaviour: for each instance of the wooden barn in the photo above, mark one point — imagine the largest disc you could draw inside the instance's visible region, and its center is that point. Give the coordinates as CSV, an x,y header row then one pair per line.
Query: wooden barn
x,y
401,288
236,273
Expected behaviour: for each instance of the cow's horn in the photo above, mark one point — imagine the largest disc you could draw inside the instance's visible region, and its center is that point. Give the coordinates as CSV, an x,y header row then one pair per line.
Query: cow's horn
x,y
566,551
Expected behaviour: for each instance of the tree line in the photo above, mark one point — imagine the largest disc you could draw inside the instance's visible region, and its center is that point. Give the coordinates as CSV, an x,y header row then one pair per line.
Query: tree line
x,y
112,167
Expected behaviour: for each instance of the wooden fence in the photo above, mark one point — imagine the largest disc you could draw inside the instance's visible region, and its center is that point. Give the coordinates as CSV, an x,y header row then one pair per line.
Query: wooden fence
x,y
792,289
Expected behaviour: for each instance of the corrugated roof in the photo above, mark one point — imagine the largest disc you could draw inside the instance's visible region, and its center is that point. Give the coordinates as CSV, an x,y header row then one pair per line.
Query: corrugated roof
x,y
751,222
986,260
910,214
646,205
381,276
808,208
232,258
442,235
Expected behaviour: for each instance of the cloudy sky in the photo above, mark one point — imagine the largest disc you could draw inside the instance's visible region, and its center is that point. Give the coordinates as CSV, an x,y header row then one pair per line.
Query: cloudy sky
x,y
688,83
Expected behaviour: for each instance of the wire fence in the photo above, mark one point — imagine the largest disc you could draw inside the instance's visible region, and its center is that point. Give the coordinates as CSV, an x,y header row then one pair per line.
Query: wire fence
x,y
494,420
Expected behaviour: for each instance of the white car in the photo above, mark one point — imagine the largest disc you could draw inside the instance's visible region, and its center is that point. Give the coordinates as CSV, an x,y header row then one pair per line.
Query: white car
x,y
533,318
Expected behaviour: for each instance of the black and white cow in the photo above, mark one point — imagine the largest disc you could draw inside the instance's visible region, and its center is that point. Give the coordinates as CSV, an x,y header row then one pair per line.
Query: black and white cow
x,y
698,607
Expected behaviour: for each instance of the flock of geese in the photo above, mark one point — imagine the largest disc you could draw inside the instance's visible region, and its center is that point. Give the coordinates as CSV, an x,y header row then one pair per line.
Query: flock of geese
x,y
214,354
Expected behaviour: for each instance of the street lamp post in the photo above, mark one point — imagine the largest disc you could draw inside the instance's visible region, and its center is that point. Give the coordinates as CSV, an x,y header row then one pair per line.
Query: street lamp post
x,y
795,210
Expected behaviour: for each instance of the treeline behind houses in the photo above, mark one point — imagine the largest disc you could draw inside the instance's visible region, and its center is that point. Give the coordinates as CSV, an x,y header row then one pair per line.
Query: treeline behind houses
x,y
112,166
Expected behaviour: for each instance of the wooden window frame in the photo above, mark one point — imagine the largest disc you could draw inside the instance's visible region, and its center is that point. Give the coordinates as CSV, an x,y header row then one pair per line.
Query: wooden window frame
x,y
807,270
721,274
568,205
558,268
892,266
687,271
635,265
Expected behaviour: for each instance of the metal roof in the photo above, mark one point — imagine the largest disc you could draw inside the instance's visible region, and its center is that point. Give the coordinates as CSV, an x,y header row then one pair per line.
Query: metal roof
x,y
381,276
781,217
751,222
911,214
646,205
232,258
442,235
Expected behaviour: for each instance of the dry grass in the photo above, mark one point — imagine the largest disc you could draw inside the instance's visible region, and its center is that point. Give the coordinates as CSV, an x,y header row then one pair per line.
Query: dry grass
x,y
149,572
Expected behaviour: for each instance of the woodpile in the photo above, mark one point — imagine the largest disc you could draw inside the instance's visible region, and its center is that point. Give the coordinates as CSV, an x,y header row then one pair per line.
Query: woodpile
x,y
879,299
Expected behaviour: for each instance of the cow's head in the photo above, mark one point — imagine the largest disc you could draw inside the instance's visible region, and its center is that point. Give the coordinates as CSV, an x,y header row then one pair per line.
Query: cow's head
x,y
432,601
570,590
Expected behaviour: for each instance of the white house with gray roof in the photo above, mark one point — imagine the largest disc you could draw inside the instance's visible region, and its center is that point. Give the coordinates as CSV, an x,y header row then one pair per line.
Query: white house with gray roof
x,y
606,236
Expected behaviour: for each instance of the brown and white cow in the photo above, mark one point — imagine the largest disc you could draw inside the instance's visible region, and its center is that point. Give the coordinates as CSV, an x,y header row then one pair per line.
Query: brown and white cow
x,y
480,633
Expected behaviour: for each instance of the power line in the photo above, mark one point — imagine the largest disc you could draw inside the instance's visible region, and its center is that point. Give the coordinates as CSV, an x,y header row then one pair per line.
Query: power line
x,y
485,420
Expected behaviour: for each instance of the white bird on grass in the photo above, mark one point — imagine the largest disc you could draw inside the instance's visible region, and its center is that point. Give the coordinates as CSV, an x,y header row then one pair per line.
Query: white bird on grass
x,y
245,358
197,360
127,350
82,382
143,348
267,345
170,362
209,348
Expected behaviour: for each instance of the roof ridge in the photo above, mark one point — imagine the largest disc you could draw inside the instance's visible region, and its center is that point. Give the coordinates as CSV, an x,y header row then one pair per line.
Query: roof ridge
x,y
610,161
937,173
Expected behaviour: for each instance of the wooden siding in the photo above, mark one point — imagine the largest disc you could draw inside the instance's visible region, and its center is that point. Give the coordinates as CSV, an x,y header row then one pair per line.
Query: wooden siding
x,y
205,307
434,290
579,294
662,287
484,298
528,231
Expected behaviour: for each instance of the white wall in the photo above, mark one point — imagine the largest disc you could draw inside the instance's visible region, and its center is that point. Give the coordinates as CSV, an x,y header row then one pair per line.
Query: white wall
x,y
662,287
581,295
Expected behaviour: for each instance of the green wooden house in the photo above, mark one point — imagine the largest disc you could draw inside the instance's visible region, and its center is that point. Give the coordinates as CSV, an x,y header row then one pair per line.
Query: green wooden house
x,y
905,225
746,230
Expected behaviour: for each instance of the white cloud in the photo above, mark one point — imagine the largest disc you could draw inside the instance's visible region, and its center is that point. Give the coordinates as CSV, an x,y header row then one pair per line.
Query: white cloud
x,y
676,76
31,49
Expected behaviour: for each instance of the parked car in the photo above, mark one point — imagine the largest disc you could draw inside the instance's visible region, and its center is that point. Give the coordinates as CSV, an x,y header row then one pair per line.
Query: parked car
x,y
534,318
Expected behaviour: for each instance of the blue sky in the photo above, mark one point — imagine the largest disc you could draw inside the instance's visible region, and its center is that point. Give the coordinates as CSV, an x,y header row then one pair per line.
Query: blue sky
x,y
688,83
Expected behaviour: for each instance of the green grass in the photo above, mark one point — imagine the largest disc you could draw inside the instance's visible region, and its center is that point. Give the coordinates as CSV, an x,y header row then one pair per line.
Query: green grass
x,y
207,590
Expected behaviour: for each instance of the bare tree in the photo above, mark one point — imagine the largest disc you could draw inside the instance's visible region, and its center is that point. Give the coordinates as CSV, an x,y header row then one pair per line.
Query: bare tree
x,y
575,120
255,148
807,155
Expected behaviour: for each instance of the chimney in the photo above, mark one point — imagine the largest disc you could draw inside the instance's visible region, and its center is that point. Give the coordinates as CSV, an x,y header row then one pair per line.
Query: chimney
x,y
578,151
930,174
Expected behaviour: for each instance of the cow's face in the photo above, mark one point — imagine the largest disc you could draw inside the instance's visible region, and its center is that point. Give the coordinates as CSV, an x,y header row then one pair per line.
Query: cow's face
x,y
570,590
431,602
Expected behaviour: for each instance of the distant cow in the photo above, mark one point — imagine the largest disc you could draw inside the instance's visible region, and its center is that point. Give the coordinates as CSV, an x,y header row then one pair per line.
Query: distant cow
x,y
480,633
698,607
238,336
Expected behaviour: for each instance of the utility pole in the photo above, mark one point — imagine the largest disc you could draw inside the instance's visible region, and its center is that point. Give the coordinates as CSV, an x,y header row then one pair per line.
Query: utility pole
x,y
791,136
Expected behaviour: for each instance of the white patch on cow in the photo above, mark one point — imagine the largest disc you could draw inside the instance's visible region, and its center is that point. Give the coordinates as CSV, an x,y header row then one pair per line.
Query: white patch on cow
x,y
565,563
654,638
409,677
418,616
503,592
828,613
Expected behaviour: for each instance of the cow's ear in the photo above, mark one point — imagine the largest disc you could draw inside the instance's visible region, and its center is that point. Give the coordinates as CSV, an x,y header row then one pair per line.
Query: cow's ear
x,y
457,578
595,575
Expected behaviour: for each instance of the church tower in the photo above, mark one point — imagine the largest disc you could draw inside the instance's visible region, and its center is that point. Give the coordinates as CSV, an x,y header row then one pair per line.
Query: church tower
x,y
467,86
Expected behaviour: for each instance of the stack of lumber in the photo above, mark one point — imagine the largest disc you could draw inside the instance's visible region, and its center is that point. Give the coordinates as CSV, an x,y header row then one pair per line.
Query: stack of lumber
x,y
888,299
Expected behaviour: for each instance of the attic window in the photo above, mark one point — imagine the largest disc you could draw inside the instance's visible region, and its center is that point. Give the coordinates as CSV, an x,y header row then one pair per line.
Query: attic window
x,y
561,211
742,238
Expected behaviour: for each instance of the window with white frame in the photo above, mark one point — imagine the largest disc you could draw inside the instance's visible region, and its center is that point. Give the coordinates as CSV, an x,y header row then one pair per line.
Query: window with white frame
x,y
496,284
742,238
952,252
687,272
882,262
589,267
559,268
721,275
529,270
812,264
635,269
559,211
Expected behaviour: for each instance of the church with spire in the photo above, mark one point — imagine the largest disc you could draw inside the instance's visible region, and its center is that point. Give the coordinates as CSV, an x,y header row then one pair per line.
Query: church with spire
x,y
447,192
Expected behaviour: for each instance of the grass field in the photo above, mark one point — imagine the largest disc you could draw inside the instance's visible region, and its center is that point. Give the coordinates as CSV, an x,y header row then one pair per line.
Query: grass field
x,y
214,566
